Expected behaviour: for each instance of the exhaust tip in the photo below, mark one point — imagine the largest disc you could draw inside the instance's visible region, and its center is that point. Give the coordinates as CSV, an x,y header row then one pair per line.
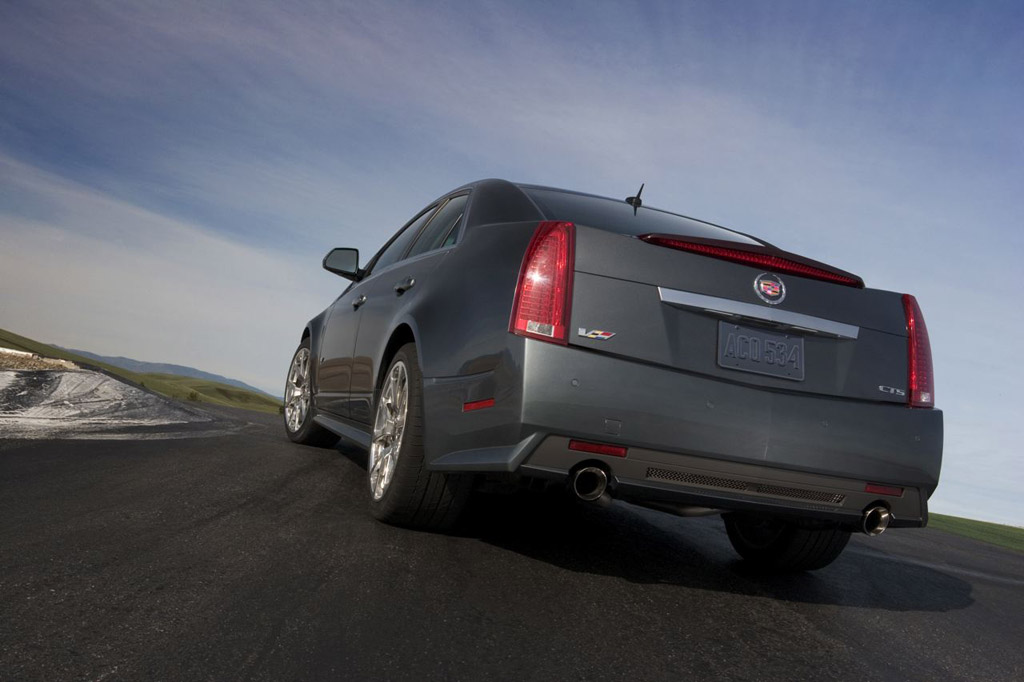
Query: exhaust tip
x,y
876,520
589,483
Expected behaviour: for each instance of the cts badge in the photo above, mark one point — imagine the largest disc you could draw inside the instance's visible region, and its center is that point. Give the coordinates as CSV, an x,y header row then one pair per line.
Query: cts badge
x,y
769,288
595,334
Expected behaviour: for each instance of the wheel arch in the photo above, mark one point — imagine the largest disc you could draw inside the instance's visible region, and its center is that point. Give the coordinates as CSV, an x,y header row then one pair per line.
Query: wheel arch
x,y
402,334
312,331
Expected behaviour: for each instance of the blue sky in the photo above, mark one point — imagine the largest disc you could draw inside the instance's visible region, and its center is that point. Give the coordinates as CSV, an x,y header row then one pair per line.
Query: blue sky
x,y
172,173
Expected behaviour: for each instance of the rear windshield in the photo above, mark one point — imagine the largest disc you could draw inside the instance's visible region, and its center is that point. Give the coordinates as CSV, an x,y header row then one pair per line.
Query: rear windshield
x,y
617,216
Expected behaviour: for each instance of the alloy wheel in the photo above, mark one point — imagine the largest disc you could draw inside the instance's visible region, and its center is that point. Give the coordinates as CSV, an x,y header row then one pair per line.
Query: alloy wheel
x,y
388,428
296,398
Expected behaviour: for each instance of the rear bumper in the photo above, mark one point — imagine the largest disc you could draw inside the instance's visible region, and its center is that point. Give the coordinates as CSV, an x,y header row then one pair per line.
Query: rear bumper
x,y
691,439
683,480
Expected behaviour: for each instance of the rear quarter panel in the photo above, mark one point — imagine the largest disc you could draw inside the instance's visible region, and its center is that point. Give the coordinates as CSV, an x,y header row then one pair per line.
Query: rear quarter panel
x,y
463,319
466,351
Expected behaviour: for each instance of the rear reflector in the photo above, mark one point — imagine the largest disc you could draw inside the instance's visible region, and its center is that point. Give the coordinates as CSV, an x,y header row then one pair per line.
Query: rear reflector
x,y
761,257
540,309
598,448
876,489
919,356
477,405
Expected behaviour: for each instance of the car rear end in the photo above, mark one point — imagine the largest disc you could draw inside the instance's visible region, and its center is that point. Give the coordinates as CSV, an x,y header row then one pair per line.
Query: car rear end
x,y
698,368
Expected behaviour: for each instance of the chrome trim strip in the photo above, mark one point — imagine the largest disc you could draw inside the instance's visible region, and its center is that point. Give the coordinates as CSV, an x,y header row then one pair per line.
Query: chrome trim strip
x,y
751,311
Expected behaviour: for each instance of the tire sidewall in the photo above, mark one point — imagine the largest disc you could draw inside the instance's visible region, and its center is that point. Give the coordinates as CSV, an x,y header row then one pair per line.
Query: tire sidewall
x,y
793,548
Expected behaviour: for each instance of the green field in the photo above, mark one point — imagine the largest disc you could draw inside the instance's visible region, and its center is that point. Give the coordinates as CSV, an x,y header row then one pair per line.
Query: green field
x,y
1010,537
170,385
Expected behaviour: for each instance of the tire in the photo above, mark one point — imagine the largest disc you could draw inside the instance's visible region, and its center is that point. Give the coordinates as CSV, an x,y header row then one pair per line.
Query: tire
x,y
773,545
298,403
402,491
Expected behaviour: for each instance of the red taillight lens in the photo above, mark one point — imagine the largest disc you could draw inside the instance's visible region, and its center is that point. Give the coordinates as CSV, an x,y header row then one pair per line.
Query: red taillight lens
x,y
544,292
758,257
919,356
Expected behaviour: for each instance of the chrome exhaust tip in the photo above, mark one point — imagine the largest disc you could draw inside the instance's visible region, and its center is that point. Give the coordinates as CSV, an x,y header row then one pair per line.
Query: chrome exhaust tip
x,y
589,483
876,520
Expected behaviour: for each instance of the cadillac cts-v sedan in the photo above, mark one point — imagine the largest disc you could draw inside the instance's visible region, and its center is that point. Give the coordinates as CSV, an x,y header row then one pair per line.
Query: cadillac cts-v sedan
x,y
626,352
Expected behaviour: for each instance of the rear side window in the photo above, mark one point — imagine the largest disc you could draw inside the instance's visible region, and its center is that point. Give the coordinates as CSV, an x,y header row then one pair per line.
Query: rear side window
x,y
393,251
617,216
443,227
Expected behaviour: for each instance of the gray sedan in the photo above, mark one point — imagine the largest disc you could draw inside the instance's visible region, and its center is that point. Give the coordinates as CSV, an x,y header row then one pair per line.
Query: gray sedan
x,y
547,337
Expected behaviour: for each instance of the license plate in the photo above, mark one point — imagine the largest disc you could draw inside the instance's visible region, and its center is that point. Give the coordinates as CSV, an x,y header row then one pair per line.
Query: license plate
x,y
761,352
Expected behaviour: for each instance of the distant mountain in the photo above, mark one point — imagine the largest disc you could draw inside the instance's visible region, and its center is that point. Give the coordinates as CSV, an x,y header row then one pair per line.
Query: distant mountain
x,y
164,368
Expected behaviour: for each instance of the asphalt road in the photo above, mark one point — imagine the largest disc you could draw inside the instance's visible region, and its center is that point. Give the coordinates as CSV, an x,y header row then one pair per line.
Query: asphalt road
x,y
244,556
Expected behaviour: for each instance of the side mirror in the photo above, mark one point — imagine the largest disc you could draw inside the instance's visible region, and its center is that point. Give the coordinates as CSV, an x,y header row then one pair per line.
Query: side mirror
x,y
344,262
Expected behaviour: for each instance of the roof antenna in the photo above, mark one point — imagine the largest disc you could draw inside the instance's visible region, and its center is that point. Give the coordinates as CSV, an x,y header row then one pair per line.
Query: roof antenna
x,y
635,202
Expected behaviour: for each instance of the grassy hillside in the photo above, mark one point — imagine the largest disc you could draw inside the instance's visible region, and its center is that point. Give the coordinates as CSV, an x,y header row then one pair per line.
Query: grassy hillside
x,y
211,391
143,367
993,533
170,385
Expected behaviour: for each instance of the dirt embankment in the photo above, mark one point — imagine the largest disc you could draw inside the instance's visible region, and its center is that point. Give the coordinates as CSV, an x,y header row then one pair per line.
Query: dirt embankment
x,y
16,359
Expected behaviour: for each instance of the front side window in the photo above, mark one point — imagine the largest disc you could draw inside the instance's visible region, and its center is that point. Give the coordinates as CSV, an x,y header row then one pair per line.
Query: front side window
x,y
394,251
443,227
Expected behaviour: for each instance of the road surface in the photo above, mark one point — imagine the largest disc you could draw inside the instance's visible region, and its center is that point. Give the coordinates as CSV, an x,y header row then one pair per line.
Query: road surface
x,y
243,556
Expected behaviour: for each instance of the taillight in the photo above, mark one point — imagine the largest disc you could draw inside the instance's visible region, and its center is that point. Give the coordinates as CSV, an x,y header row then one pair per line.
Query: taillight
x,y
919,356
544,292
758,256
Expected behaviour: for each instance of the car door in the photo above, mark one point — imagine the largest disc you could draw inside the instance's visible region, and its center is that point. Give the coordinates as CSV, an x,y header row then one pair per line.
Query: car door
x,y
394,290
334,374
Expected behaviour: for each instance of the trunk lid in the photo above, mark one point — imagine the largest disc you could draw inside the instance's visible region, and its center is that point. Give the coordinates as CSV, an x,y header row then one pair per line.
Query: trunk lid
x,y
704,315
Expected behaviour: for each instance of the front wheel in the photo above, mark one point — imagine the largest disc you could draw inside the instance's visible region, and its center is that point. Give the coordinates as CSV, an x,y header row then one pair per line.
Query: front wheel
x,y
402,491
772,544
298,403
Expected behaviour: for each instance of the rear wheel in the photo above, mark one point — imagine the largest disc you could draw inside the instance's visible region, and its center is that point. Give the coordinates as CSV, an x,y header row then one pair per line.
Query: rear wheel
x,y
298,403
402,491
775,545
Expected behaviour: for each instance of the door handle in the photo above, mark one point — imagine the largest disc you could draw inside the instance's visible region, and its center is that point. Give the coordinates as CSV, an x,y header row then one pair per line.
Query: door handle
x,y
405,285
359,301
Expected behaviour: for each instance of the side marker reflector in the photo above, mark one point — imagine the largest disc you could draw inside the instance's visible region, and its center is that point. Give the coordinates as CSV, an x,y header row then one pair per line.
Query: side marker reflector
x,y
598,448
876,489
478,405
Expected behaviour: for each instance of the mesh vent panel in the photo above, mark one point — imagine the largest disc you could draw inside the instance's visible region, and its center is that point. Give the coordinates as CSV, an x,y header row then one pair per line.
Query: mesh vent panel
x,y
800,494
736,484
697,479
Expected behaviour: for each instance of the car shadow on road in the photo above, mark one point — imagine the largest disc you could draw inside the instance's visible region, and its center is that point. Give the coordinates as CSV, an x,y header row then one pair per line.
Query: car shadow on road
x,y
649,547
646,547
